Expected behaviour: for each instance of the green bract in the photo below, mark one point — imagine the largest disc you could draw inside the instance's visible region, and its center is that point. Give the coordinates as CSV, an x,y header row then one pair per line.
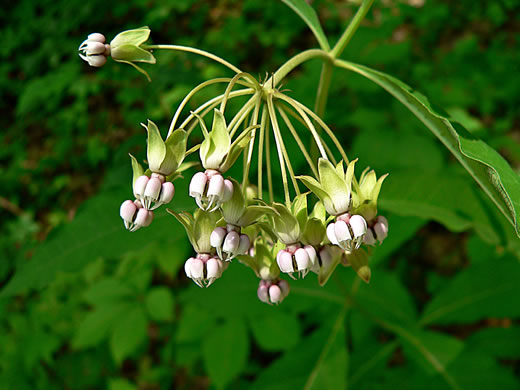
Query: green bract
x,y
365,194
235,211
126,47
199,228
165,157
216,151
333,187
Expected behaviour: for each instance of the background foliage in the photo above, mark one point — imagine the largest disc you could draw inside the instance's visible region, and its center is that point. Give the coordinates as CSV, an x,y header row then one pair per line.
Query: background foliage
x,y
116,313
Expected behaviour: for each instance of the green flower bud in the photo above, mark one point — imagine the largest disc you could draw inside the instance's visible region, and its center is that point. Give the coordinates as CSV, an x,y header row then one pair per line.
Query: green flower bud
x,y
364,197
333,187
164,157
127,47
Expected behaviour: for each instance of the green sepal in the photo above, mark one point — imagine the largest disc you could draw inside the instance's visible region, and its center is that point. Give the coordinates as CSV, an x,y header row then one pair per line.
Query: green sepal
x,y
132,53
314,232
234,208
135,37
358,259
236,148
333,182
314,185
285,224
203,226
325,272
366,193
165,157
252,214
137,169
216,144
186,220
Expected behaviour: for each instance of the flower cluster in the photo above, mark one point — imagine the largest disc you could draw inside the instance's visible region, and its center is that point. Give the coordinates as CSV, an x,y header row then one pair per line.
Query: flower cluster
x,y
292,232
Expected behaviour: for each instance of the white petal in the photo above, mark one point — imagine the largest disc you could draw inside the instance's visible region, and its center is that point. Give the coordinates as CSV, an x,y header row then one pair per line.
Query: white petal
x,y
341,231
140,185
302,259
198,184
331,235
358,225
217,237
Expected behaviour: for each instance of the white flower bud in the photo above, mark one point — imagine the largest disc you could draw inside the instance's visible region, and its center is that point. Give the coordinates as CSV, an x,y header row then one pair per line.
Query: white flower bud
x,y
359,225
244,244
217,237
231,242
263,291
275,294
96,61
203,269
152,190
127,211
284,260
140,185
302,260
167,192
369,238
341,231
96,37
198,184
228,191
381,228
94,47
216,186
272,291
331,235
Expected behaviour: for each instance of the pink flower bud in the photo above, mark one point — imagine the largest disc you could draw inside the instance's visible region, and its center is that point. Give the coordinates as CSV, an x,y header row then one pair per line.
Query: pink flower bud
x,y
127,211
196,269
198,184
152,189
341,231
369,238
244,244
228,190
275,294
213,268
284,260
311,252
167,192
142,218
140,185
216,187
97,37
358,225
284,286
302,259
381,228
94,47
217,237
97,60
331,235
231,242
263,291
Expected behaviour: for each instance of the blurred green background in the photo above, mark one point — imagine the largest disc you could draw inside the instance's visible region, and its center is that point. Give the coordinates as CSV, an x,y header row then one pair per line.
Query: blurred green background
x,y
90,306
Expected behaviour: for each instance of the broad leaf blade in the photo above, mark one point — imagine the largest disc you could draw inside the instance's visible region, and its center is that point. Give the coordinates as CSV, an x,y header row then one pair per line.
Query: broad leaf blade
x,y
308,15
485,165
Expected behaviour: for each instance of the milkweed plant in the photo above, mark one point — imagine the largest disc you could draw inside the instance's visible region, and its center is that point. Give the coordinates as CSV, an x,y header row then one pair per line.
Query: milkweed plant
x,y
328,215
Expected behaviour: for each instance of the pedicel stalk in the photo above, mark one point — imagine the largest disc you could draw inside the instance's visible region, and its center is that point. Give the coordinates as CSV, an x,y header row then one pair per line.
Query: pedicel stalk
x,y
245,218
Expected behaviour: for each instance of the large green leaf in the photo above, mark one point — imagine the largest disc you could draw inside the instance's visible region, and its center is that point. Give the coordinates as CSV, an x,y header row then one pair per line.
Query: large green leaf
x,y
225,351
488,289
485,165
319,362
308,15
96,231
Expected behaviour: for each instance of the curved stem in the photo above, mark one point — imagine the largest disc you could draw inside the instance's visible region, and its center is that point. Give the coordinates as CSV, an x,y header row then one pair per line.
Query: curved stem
x,y
351,29
195,51
322,124
292,63
241,115
192,93
281,146
281,159
268,162
297,138
213,103
232,83
250,146
263,124
308,122
321,96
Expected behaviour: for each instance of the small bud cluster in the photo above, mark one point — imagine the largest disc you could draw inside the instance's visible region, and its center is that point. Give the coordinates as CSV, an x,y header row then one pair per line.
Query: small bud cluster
x,y
233,220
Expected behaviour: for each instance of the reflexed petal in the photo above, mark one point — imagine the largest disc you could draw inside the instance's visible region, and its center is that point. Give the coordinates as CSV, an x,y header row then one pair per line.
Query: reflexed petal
x,y
140,185
167,192
341,231
198,184
275,294
331,234
127,210
231,242
302,259
217,237
358,225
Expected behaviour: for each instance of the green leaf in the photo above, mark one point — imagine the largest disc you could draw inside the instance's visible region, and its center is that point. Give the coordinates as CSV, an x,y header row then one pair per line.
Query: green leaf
x,y
319,362
427,349
160,304
107,291
277,330
96,230
195,323
308,15
447,198
485,165
128,334
502,343
121,384
225,352
483,290
97,323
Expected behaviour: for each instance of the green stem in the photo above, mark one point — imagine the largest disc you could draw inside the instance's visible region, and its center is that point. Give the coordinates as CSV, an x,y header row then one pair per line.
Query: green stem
x,y
263,124
241,115
192,93
251,145
321,97
281,158
351,29
292,63
195,51
268,163
281,145
297,138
